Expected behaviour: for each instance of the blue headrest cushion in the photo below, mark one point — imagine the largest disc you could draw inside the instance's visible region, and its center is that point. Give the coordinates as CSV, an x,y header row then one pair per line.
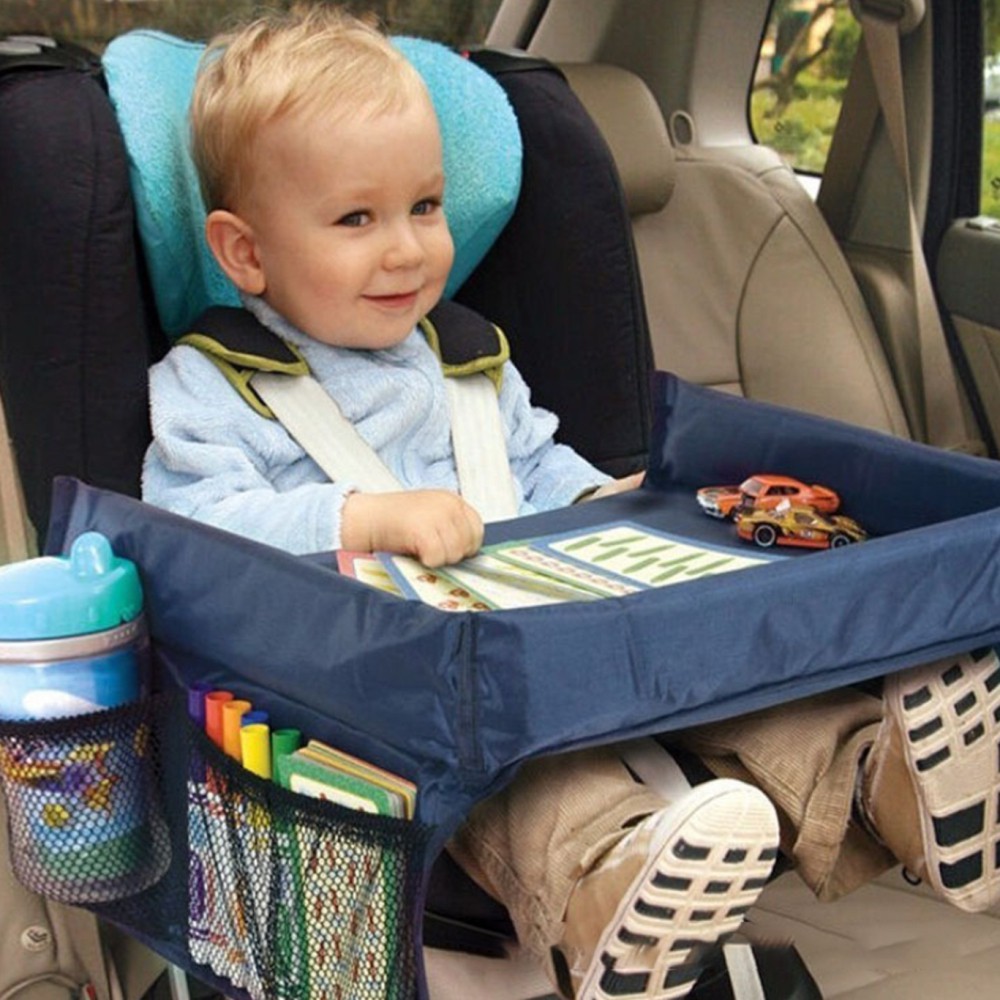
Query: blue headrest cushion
x,y
150,77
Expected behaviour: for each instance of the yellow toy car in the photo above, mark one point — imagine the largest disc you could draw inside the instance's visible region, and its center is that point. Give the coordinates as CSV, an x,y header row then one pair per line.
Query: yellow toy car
x,y
800,526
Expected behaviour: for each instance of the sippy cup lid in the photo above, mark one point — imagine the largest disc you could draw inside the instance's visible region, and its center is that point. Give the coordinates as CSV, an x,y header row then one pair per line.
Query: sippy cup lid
x,y
91,590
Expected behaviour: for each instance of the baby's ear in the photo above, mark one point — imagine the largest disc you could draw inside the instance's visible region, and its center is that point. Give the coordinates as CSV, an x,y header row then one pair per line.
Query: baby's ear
x,y
232,241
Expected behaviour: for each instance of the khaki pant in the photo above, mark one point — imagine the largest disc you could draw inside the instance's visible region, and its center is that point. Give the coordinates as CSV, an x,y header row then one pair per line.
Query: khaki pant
x,y
528,844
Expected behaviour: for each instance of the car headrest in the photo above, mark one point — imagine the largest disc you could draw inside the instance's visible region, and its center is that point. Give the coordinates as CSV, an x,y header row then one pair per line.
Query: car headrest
x,y
150,77
632,125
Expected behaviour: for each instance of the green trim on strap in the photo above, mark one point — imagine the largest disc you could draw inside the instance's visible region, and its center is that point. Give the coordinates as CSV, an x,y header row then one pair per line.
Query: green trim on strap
x,y
490,365
239,368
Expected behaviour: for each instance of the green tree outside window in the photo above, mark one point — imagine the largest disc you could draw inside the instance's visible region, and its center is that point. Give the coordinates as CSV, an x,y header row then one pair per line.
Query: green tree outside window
x,y
804,64
805,61
990,190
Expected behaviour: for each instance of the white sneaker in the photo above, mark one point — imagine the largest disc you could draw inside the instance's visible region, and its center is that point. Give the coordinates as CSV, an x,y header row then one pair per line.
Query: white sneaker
x,y
931,786
643,921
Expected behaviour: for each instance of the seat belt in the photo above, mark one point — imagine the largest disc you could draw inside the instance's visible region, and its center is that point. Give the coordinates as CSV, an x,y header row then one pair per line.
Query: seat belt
x,y
876,85
308,412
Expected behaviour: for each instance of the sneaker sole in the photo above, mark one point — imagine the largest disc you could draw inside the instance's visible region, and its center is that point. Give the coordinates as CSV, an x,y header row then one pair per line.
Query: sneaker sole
x,y
717,849
949,715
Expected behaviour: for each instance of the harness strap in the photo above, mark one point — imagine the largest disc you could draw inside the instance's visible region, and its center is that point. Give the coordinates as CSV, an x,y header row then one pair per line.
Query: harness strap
x,y
472,352
477,438
274,380
311,415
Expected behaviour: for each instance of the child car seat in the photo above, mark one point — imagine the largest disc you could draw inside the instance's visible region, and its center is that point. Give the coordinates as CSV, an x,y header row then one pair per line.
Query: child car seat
x,y
74,346
562,280
78,335
80,325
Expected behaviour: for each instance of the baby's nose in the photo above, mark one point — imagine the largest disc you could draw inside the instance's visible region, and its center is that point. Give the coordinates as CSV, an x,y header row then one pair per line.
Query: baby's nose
x,y
405,248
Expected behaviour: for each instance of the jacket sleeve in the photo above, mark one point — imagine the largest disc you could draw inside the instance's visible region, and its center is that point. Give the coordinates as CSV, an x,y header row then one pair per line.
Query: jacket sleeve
x,y
215,460
551,474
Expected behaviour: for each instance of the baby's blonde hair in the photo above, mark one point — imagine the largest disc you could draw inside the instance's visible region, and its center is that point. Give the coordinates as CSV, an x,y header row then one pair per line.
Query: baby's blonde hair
x,y
306,61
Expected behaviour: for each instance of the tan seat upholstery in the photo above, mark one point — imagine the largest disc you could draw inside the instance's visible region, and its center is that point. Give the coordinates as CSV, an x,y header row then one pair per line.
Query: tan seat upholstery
x,y
746,289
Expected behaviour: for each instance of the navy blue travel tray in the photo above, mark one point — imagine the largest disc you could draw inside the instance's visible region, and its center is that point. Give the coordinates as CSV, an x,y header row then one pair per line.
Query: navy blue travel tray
x,y
456,701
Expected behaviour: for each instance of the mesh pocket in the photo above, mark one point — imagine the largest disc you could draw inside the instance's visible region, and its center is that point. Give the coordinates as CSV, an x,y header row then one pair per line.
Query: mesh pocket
x,y
136,814
83,795
296,897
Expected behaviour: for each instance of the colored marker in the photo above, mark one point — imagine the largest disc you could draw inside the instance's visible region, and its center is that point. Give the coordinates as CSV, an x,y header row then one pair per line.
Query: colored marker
x,y
232,713
283,742
255,747
196,702
214,700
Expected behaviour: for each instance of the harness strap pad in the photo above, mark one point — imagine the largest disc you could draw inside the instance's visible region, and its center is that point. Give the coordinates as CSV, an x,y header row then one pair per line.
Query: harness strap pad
x,y
239,345
465,342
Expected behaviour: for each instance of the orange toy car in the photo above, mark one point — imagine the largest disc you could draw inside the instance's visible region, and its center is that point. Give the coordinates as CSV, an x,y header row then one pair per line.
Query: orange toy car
x,y
765,492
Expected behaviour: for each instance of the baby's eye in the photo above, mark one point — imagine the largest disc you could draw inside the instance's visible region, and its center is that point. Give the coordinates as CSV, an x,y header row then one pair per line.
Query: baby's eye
x,y
426,206
354,219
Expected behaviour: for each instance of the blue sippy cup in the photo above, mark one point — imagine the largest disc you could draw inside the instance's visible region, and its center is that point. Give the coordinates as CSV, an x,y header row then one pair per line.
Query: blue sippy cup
x,y
72,636
73,643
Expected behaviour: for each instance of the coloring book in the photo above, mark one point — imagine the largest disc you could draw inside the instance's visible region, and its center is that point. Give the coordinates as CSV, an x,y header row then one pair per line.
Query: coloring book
x,y
610,560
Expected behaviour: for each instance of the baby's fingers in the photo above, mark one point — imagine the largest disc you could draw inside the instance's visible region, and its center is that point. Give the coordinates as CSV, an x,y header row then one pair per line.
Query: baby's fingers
x,y
457,532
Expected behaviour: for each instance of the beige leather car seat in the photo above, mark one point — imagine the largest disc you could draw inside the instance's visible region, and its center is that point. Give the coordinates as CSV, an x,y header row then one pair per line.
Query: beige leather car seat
x,y
746,289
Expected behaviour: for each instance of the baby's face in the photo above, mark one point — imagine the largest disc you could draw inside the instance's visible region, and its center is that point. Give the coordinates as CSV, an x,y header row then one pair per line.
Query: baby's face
x,y
348,223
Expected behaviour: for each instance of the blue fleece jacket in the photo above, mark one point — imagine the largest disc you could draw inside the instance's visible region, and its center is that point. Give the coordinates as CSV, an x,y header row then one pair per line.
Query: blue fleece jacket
x,y
216,460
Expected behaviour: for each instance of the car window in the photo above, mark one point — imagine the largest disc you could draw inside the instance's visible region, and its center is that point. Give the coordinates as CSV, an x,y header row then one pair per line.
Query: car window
x,y
95,22
990,191
802,69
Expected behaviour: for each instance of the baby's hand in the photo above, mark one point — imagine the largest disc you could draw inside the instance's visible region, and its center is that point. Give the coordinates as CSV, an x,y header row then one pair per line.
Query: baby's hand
x,y
632,482
435,526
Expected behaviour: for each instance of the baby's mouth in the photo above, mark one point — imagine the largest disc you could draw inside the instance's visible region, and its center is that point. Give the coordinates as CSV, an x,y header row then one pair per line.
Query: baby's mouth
x,y
397,300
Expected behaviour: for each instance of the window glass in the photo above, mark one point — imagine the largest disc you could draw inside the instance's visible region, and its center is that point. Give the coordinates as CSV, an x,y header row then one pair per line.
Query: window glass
x,y
95,22
990,192
802,69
